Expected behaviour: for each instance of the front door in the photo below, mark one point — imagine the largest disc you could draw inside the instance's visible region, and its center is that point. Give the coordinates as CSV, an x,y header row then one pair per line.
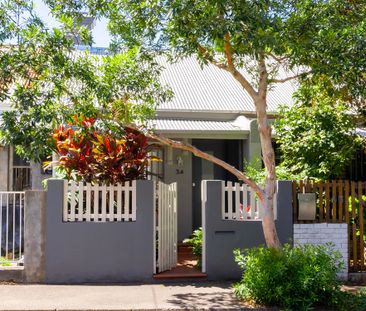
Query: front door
x,y
227,150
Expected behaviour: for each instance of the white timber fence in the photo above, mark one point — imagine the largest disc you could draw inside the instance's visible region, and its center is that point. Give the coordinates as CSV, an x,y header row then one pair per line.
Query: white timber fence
x,y
240,202
166,226
99,203
11,225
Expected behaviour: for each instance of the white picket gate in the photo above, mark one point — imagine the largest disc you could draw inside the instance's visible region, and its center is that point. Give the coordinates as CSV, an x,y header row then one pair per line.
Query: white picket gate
x,y
99,203
11,225
240,202
166,227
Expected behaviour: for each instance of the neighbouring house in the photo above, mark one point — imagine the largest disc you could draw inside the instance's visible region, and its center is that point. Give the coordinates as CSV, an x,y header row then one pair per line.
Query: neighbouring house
x,y
209,110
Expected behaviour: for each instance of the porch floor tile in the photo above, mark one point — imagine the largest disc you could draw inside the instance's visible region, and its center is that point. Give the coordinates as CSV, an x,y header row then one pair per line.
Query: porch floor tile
x,y
186,266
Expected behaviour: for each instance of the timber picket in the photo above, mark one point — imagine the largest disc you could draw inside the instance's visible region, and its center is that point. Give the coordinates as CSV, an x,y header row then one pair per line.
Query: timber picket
x,y
353,223
327,202
346,201
88,201
237,201
229,189
72,202
361,226
334,201
340,201
321,207
245,211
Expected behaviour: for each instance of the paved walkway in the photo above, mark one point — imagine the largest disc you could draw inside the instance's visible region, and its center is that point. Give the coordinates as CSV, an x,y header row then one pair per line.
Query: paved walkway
x,y
169,296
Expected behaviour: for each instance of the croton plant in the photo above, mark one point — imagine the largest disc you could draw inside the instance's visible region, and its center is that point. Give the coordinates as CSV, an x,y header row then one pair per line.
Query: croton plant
x,y
89,154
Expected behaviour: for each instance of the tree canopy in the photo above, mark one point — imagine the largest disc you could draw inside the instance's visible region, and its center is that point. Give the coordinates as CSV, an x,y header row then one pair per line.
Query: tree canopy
x,y
316,138
326,36
47,83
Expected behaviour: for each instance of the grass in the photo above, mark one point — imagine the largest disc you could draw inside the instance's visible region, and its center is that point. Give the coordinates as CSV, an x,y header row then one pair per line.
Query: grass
x,y
4,262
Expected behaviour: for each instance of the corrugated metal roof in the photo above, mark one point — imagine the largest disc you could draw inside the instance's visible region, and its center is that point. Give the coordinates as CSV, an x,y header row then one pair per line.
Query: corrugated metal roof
x,y
213,89
210,89
171,125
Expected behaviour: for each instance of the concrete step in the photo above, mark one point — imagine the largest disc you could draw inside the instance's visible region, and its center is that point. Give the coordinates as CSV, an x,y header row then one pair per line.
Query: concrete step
x,y
169,275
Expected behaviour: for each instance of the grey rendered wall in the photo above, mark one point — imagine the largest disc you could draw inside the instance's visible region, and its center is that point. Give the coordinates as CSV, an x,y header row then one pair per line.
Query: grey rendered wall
x,y
183,177
99,252
223,236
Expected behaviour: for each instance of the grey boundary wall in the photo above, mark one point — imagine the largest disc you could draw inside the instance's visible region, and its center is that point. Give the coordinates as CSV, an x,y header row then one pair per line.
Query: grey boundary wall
x,y
91,252
221,237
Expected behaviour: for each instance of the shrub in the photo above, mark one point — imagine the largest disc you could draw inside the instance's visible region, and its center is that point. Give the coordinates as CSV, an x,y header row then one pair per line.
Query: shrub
x,y
345,301
90,154
196,242
291,277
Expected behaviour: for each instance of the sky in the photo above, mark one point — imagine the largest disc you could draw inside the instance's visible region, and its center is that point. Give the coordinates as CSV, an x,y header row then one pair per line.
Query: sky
x,y
100,33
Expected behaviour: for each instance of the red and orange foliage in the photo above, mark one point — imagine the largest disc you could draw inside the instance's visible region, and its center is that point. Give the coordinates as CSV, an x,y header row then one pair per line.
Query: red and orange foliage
x,y
88,154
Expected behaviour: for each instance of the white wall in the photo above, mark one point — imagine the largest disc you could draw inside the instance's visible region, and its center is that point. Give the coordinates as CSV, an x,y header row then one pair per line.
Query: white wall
x,y
183,176
323,233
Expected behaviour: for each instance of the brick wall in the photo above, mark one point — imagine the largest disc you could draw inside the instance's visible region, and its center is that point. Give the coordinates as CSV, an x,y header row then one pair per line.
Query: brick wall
x,y
323,233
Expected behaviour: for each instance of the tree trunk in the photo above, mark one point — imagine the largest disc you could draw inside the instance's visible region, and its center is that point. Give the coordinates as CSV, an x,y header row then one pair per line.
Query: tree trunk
x,y
260,100
268,223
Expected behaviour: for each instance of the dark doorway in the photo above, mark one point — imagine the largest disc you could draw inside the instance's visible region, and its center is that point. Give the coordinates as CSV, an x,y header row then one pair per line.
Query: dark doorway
x,y
229,150
356,169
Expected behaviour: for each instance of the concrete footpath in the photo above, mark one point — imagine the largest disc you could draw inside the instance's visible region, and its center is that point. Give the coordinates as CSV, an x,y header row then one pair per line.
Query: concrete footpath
x,y
168,296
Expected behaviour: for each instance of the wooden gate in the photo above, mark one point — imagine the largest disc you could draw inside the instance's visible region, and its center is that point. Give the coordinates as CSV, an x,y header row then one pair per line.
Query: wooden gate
x,y
339,201
166,227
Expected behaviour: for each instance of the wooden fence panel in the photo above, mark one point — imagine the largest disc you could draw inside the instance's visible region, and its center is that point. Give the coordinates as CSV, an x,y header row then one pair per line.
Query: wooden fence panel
x,y
352,238
361,225
339,201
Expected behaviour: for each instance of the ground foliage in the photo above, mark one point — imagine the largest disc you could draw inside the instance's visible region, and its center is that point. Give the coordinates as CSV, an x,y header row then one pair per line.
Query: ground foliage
x,y
294,278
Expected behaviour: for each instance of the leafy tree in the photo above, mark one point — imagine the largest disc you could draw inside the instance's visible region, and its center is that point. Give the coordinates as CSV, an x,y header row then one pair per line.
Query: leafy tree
x,y
329,37
316,137
51,83
264,37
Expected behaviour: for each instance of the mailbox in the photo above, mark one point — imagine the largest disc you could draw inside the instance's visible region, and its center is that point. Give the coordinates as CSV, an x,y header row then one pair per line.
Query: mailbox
x,y
307,206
